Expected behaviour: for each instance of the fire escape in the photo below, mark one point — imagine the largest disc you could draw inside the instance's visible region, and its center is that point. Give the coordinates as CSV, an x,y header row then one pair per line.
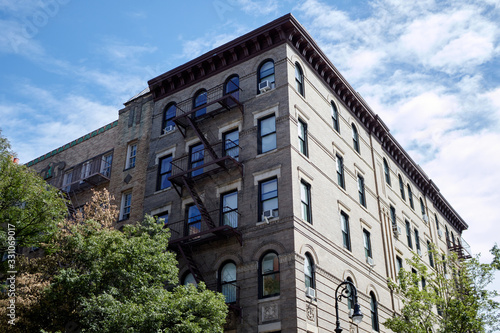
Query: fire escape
x,y
208,158
461,248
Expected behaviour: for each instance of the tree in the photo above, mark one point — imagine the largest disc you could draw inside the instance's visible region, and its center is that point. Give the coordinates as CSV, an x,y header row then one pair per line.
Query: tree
x,y
29,209
451,297
96,278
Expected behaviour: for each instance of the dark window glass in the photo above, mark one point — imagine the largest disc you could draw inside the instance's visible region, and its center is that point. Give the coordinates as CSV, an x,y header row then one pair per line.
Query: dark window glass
x,y
429,251
231,144
305,198
309,271
437,222
269,275
299,79
374,312
335,117
350,303
355,138
408,234
227,281
268,196
410,196
361,191
164,171
232,87
402,188
302,126
387,172
393,215
193,220
230,209
340,171
189,279
346,234
199,100
422,208
266,73
168,115
267,134
367,243
196,158
399,264
162,218
417,240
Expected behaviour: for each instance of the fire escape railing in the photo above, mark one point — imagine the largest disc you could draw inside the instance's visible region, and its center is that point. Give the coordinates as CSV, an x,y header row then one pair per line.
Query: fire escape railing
x,y
90,173
461,248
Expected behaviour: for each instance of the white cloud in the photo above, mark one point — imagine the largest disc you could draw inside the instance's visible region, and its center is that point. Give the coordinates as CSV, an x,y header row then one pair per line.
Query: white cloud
x,y
262,7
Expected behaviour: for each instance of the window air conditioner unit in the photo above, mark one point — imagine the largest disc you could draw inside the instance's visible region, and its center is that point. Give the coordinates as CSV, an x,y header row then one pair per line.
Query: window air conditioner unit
x,y
370,261
169,128
440,233
396,229
269,214
310,292
264,86
426,218
419,252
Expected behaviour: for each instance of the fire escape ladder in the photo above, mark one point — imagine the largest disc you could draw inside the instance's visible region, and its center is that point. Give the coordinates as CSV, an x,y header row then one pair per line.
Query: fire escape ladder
x,y
69,204
202,138
186,253
205,216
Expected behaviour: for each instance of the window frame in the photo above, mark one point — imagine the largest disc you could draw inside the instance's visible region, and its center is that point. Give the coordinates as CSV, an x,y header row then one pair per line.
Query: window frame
x,y
236,91
168,117
408,234
350,303
67,179
306,211
131,155
299,79
387,173
367,244
263,275
233,288
193,163
162,215
410,196
346,231
262,201
339,164
355,138
309,279
303,142
417,240
191,221
335,116
232,211
361,190
236,144
429,252
422,208
197,103
402,188
374,312
393,216
126,206
106,165
261,137
261,78
167,173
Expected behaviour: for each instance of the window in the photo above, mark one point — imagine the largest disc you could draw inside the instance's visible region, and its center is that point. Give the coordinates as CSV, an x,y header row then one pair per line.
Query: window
x,y
422,209
231,144
106,165
447,236
429,251
266,73
302,126
399,264
232,87
305,199
417,240
85,171
367,243
67,181
164,171
299,79
199,100
374,312
361,190
196,157
402,188
229,209
189,279
269,275
131,153
125,206
437,222
340,171
410,196
387,173
350,303
423,282
227,281
408,234
335,117
193,220
453,239
268,194
355,138
168,115
443,258
309,271
162,217
346,234
393,215
267,134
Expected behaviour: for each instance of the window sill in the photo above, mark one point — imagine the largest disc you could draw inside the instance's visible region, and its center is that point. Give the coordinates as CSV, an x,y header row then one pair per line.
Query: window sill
x,y
268,299
163,190
273,219
167,133
126,169
265,92
266,153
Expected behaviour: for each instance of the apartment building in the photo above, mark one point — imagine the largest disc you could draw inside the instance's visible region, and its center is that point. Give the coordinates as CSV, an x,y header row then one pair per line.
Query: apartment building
x,y
276,179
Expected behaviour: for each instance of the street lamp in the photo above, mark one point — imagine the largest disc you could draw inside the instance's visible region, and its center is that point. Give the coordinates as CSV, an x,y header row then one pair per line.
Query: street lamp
x,y
346,292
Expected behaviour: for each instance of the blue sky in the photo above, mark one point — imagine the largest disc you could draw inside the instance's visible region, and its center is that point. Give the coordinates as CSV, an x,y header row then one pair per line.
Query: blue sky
x,y
430,69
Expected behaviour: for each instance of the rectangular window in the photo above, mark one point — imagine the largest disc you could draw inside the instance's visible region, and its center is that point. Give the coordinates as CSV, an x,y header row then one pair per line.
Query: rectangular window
x,y
267,134
163,217
340,171
393,215
417,240
131,154
164,171
399,264
361,190
85,171
231,144
196,158
106,165
305,198
268,198
193,222
346,237
410,197
67,181
408,234
367,243
429,251
303,137
125,206
229,209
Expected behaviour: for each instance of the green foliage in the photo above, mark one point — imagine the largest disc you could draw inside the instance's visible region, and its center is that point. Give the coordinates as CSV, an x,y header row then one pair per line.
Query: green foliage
x,y
454,299
108,280
27,203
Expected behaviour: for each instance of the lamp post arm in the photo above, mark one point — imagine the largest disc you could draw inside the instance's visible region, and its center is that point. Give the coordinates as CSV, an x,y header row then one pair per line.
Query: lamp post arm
x,y
344,294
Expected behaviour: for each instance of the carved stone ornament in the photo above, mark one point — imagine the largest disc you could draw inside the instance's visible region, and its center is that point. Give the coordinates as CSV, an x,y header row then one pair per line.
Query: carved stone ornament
x,y
311,313
270,312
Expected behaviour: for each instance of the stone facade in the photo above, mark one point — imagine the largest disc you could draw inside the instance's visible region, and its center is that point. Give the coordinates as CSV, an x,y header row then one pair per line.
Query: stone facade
x,y
308,223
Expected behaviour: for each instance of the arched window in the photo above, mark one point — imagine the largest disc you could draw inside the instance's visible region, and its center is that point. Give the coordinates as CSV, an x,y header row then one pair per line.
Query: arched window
x,y
350,303
335,116
200,99
453,239
269,274
168,115
309,271
387,172
266,73
227,281
374,312
410,196
189,279
447,235
422,208
401,187
232,87
355,138
299,79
